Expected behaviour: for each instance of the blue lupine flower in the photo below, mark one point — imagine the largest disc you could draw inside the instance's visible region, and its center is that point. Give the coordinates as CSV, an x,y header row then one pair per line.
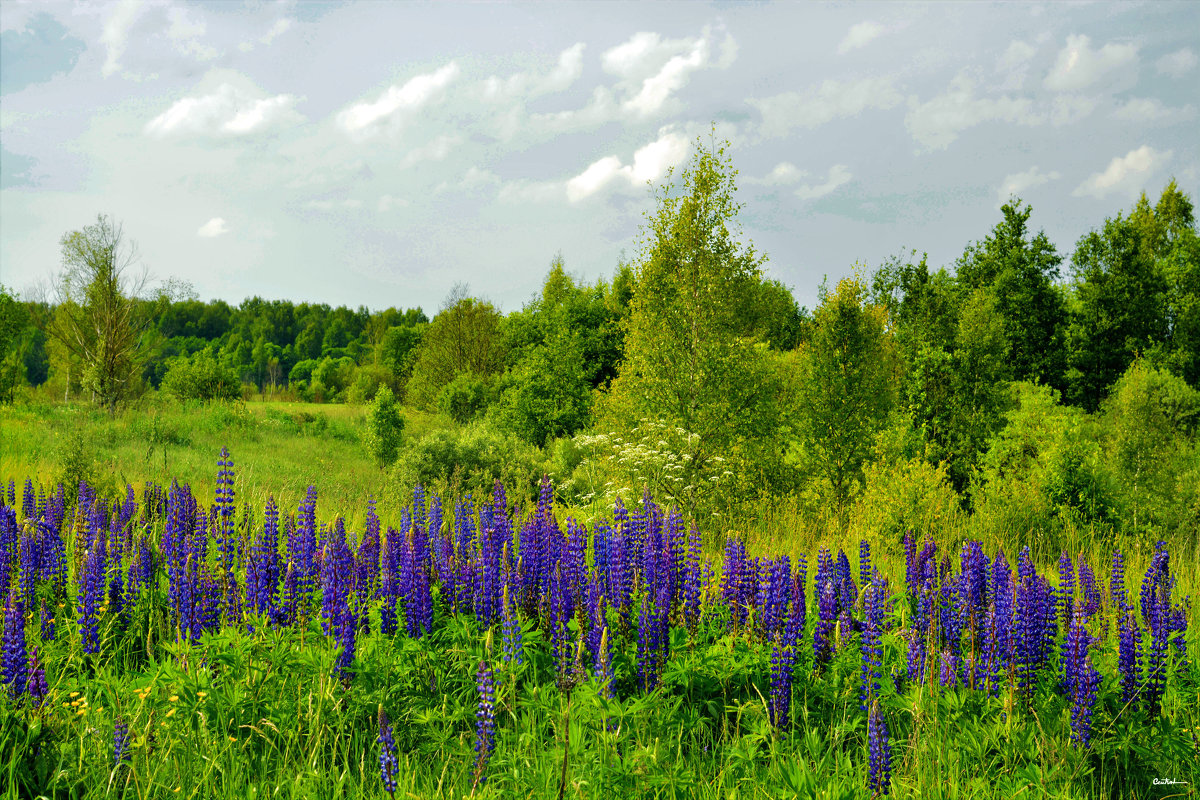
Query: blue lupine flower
x,y
872,643
36,686
1081,679
14,662
120,741
879,777
485,722
387,754
782,659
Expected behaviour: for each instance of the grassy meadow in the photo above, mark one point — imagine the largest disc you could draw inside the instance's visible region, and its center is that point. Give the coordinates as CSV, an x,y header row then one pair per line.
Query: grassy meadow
x,y
253,702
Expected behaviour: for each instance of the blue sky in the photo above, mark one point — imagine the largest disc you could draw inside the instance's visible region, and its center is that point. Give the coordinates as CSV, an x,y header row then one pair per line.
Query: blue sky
x,y
377,153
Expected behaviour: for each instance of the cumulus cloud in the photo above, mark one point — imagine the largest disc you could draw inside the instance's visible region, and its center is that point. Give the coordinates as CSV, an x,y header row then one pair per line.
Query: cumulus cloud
x,y
824,103
938,122
1152,110
1080,66
115,35
1177,64
649,163
1018,182
1017,54
391,107
1126,174
860,35
229,110
213,228
784,174
651,68
838,175
530,84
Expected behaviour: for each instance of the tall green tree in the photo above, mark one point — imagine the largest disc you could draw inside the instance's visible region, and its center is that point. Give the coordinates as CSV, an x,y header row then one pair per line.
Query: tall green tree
x,y
848,390
1120,304
95,321
1021,271
688,361
464,338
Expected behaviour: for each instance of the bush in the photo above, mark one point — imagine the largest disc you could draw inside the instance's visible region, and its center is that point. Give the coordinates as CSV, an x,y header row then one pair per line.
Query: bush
x,y
464,398
200,377
384,426
470,459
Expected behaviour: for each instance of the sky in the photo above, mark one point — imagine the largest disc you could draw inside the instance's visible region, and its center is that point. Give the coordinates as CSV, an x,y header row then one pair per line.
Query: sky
x,y
379,153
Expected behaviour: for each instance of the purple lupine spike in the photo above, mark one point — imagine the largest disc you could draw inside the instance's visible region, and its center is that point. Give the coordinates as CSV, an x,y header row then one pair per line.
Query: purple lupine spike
x,y
1120,599
514,649
798,606
485,722
1081,679
782,662
620,576
1156,610
654,637
1091,592
872,642
30,568
603,670
8,544
1000,627
778,594
1066,588
691,581
673,541
12,493
116,601
823,644
864,562
14,662
28,501
879,776
948,672
120,741
345,628
1030,615
89,598
388,764
1129,657
733,579
225,503
36,685
464,525
561,610
262,569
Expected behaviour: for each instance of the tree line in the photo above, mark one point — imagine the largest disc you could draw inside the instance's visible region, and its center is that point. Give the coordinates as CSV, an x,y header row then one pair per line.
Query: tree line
x,y
699,372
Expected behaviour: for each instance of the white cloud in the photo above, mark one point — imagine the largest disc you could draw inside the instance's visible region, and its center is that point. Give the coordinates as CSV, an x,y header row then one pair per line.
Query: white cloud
x,y
825,103
280,27
435,150
938,122
366,118
116,33
229,110
649,163
185,32
213,228
838,175
1177,64
1067,109
859,36
1079,66
528,84
1018,182
1151,110
783,174
651,68
1017,54
1126,174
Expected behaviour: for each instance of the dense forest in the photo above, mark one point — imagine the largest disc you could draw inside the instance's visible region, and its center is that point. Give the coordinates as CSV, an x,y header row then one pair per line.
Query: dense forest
x,y
1019,380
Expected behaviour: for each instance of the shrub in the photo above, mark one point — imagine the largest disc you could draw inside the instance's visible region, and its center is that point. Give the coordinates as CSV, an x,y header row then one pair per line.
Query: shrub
x,y
470,459
464,398
200,377
384,426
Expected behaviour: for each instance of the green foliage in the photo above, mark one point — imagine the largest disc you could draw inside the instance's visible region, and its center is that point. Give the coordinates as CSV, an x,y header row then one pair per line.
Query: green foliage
x,y
470,458
690,360
201,377
464,338
13,320
1020,273
847,387
464,398
384,428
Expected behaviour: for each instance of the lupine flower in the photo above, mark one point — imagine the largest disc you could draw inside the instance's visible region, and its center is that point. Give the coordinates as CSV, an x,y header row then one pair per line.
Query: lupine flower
x,y
89,597
485,723
36,684
1129,658
1091,593
826,618
1120,599
872,644
733,579
879,778
1156,610
603,669
1000,622
345,630
1081,679
782,657
691,581
514,651
864,562
14,661
120,742
387,754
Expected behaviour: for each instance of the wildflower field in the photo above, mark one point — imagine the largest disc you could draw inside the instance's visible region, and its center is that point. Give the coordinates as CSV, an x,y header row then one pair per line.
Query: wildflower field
x,y
173,642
